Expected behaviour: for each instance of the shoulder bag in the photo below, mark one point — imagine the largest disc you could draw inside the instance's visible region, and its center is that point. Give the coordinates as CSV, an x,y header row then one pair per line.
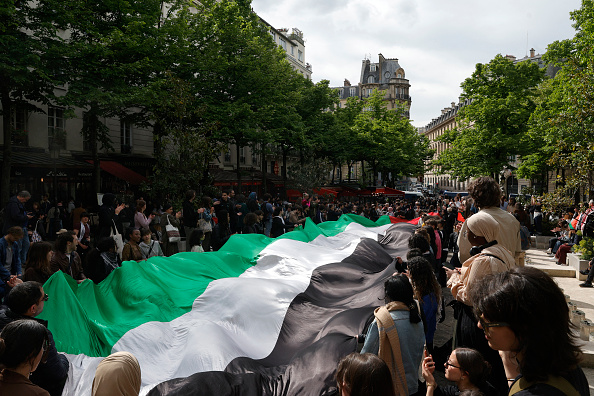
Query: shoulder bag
x,y
172,232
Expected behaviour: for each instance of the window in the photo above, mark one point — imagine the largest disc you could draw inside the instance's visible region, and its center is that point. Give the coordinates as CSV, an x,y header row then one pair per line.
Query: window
x,y
369,91
340,92
300,55
399,75
20,134
293,50
370,80
125,137
352,91
273,36
372,67
55,127
283,44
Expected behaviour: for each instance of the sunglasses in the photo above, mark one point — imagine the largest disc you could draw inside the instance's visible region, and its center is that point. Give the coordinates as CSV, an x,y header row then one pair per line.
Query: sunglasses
x,y
487,326
45,297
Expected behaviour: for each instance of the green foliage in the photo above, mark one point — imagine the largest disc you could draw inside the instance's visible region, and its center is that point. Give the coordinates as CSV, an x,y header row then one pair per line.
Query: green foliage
x,y
492,128
311,175
30,66
585,248
565,121
384,138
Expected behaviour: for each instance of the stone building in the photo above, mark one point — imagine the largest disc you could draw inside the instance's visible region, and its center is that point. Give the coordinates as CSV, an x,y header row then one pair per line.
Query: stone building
x,y
436,128
385,75
48,148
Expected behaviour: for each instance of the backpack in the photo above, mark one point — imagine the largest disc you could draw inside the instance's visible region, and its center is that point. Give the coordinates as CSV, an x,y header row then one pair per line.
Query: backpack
x,y
525,237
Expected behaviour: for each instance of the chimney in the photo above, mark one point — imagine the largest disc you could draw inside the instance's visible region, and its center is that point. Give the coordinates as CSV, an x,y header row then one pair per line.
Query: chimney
x,y
347,83
532,52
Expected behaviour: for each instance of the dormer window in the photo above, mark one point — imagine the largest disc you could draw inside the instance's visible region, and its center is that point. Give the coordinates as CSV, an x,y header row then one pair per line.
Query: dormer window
x,y
370,80
372,67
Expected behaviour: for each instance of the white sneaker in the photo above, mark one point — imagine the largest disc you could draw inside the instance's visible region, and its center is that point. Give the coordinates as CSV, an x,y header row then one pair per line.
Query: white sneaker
x,y
550,251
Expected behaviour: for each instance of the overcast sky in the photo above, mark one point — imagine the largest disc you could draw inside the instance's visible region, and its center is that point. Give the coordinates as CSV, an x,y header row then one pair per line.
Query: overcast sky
x,y
438,43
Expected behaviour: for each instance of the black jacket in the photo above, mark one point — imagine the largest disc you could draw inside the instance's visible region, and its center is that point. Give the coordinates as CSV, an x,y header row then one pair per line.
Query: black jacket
x,y
15,214
278,228
52,374
190,215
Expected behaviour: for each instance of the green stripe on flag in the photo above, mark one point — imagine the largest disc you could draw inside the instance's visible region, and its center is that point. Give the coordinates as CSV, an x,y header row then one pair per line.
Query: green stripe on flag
x,y
89,319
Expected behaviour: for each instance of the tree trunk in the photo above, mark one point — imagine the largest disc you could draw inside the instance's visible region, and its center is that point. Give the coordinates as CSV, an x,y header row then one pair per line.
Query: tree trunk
x,y
237,150
263,168
93,135
284,168
7,150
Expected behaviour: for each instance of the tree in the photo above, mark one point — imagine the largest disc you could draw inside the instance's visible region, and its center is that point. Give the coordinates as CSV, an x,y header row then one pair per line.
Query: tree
x,y
541,139
566,119
493,126
240,73
111,51
343,145
30,63
387,141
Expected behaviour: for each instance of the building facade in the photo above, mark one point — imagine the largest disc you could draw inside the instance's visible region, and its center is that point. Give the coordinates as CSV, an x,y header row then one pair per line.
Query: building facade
x,y
294,45
50,155
385,75
436,128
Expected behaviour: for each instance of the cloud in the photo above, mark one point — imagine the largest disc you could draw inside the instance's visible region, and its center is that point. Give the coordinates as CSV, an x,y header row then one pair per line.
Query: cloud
x,y
438,43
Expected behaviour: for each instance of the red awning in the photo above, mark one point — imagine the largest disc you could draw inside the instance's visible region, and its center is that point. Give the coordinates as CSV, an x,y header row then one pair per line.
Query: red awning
x,y
121,172
325,191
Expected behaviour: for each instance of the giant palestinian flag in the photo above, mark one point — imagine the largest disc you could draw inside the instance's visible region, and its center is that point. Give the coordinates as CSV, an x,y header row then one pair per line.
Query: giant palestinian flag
x,y
261,316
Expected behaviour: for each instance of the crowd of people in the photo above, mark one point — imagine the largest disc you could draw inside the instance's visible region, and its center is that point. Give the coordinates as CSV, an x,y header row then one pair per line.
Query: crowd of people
x,y
471,245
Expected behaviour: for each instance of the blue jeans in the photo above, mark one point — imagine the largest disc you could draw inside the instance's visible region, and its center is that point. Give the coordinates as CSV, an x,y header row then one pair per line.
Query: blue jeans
x,y
268,227
23,244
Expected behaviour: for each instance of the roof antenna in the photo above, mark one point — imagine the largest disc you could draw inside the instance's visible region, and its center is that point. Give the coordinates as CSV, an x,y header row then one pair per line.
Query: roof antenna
x,y
526,55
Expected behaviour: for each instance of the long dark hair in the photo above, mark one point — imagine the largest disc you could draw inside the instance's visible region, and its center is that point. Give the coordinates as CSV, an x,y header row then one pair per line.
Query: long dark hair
x,y
37,257
20,341
472,362
364,374
532,304
422,278
398,288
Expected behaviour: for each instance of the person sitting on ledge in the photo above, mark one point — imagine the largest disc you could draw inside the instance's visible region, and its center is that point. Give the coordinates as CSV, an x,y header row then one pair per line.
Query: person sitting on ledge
x,y
590,273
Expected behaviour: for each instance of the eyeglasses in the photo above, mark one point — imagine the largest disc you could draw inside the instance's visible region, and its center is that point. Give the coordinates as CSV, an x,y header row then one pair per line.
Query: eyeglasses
x,y
447,363
45,297
487,326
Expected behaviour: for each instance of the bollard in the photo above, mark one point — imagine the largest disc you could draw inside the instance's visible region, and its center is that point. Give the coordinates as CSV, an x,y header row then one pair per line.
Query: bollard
x,y
586,329
578,317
